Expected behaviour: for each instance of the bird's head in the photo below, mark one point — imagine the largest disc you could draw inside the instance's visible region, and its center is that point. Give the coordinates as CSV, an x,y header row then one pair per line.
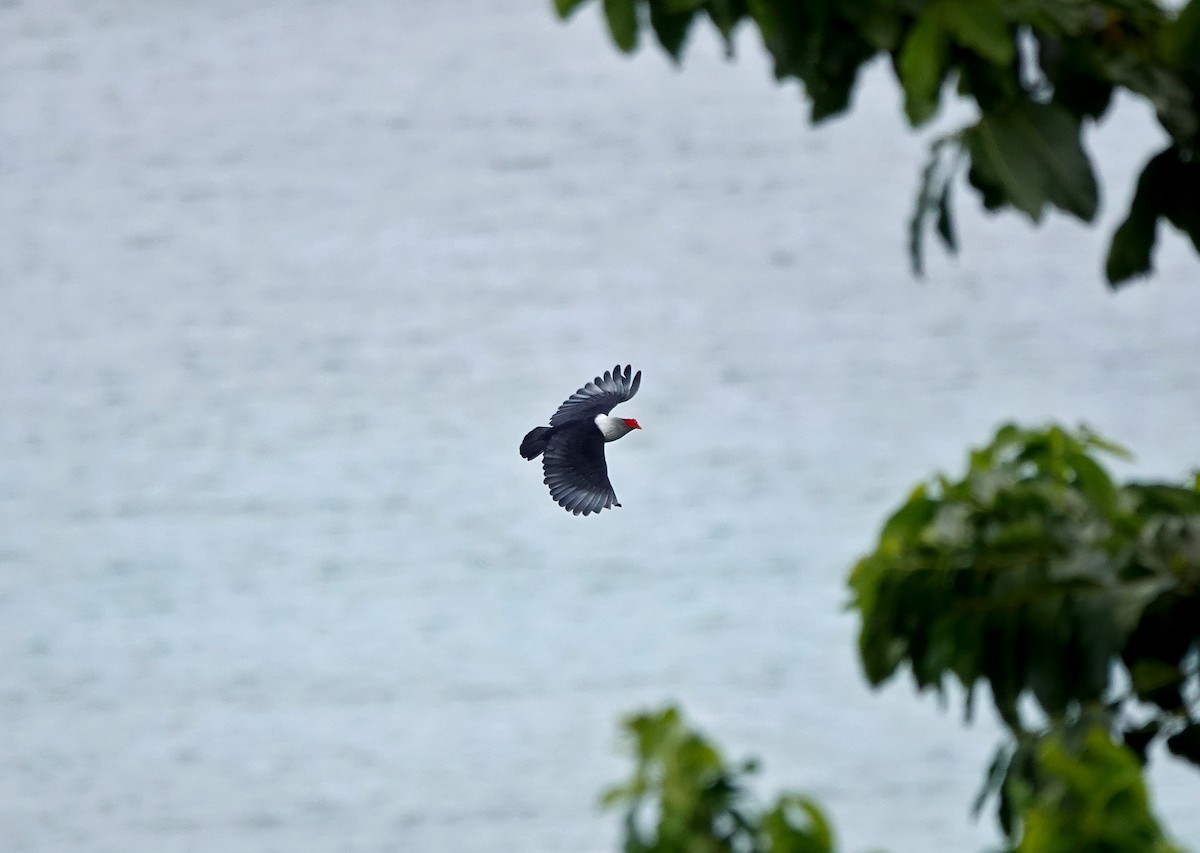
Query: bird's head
x,y
614,428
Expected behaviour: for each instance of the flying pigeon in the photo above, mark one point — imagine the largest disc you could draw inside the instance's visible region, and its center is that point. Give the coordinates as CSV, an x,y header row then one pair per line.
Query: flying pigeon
x,y
574,442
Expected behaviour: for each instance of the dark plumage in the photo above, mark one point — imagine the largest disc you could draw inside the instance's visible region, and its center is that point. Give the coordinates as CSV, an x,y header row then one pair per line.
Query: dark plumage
x,y
573,444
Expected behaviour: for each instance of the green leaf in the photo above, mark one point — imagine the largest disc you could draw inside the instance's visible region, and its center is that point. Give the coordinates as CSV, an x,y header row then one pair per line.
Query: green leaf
x,y
1149,675
1056,17
990,192
1032,154
566,7
906,524
1135,599
878,23
622,23
814,43
670,26
797,825
981,27
1094,440
1129,253
684,797
1092,797
1070,67
1183,209
1167,188
1094,482
616,794
922,67
1159,497
725,15
769,18
829,79
1181,39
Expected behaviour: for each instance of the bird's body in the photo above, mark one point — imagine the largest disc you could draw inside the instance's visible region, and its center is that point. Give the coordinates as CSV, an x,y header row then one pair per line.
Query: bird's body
x,y
572,446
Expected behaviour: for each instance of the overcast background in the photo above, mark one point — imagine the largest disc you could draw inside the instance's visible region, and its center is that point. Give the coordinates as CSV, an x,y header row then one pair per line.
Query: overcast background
x,y
283,284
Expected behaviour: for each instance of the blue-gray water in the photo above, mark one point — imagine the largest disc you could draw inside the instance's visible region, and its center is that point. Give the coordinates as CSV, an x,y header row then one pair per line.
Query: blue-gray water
x,y
282,285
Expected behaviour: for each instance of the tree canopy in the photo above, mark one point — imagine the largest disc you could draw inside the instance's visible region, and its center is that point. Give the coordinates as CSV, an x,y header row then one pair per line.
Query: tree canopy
x,y
1038,72
1074,601
1037,576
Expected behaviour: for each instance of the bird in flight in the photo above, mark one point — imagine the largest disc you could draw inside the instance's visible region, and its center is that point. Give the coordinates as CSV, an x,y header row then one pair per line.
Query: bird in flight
x,y
574,442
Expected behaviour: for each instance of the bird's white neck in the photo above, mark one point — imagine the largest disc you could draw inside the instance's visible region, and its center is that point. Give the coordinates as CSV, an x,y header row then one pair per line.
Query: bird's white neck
x,y
612,428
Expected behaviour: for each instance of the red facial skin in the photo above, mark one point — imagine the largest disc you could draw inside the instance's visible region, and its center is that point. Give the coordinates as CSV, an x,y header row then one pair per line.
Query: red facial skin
x,y
631,423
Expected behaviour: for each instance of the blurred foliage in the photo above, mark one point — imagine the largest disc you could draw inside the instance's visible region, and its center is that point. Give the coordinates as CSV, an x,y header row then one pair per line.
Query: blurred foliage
x,y
1074,600
1082,793
1092,799
684,798
1037,73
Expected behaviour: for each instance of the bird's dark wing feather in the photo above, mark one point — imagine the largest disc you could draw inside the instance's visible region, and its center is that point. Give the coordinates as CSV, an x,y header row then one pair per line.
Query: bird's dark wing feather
x,y
576,471
598,396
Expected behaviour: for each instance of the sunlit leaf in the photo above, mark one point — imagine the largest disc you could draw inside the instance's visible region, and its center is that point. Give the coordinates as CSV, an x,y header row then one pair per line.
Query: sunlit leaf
x,y
1099,442
1093,798
797,825
684,797
907,522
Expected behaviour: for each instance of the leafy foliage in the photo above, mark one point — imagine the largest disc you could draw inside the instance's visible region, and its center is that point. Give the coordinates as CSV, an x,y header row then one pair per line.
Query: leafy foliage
x,y
1078,791
1092,798
1065,593
1038,576
695,803
1168,188
1037,71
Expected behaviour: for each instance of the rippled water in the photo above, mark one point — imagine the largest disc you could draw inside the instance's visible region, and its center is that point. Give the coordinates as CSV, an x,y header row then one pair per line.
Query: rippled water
x,y
282,286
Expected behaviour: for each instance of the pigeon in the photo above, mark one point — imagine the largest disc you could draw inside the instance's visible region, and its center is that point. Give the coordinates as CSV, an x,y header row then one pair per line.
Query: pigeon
x,y
574,442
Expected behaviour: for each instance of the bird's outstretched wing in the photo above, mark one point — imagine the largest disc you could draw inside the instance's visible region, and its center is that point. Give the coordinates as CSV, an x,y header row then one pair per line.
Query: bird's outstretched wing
x,y
598,396
576,471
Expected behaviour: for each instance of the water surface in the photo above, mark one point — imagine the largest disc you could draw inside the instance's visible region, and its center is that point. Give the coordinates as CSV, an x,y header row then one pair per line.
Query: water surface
x,y
281,288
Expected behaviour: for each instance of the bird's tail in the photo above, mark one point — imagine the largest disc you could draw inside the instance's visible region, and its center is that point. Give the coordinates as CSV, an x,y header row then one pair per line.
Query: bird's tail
x,y
535,442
